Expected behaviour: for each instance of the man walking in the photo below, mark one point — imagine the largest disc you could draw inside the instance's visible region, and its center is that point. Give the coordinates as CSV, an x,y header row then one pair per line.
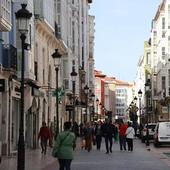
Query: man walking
x,y
44,135
108,132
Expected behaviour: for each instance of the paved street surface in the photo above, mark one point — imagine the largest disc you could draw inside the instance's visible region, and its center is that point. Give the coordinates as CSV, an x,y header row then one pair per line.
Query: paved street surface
x,y
139,159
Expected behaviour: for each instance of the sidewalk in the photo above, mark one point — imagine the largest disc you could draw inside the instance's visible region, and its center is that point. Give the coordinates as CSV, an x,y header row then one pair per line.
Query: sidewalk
x,y
34,160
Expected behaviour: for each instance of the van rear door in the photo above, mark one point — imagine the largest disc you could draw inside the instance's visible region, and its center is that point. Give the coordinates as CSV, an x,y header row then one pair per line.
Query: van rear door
x,y
164,131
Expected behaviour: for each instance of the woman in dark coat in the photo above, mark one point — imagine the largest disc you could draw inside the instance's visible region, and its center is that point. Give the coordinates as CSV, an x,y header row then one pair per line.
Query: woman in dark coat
x,y
98,135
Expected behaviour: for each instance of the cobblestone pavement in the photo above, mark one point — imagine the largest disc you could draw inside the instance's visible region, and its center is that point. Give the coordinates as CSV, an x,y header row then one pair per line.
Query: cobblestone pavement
x,y
139,159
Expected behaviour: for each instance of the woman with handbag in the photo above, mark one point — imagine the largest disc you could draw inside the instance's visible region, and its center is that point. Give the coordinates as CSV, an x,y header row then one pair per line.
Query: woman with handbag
x,y
130,133
63,148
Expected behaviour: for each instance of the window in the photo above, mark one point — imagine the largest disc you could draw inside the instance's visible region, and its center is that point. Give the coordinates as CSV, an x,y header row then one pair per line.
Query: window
x,y
148,58
169,77
163,53
36,70
163,34
73,37
163,82
168,16
168,44
163,23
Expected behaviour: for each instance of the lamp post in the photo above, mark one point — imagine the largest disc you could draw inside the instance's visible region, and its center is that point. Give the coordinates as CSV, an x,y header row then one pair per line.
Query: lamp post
x,y
86,90
73,76
23,16
100,110
92,98
147,88
97,105
140,114
57,59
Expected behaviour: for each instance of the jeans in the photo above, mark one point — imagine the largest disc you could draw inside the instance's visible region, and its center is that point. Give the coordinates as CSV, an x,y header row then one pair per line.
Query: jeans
x,y
44,145
108,139
98,141
122,142
65,164
130,144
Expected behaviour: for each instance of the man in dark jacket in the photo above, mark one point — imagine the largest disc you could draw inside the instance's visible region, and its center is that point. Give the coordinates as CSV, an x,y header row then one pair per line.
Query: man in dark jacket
x,y
108,133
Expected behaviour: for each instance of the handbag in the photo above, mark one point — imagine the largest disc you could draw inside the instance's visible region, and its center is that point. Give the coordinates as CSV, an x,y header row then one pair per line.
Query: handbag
x,y
55,149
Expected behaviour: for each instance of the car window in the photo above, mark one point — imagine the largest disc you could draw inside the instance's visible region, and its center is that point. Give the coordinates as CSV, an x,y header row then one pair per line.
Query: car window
x,y
151,126
165,125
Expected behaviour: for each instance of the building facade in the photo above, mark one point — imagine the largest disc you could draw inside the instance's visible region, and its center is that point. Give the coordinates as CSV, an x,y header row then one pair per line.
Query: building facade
x,y
55,24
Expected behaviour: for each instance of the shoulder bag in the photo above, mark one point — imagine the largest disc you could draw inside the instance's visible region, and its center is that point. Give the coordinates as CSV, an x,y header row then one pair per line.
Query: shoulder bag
x,y
55,149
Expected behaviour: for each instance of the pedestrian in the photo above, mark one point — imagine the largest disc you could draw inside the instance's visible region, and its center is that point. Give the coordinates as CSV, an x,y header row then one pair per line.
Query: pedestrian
x,y
98,134
116,133
63,147
75,129
44,135
130,133
51,135
88,136
122,135
108,133
81,126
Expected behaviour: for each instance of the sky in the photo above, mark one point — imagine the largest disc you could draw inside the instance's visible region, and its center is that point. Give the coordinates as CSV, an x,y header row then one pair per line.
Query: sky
x,y
121,27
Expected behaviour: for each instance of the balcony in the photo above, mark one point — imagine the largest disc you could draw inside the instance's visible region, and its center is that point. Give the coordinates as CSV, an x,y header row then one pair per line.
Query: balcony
x,y
9,57
5,15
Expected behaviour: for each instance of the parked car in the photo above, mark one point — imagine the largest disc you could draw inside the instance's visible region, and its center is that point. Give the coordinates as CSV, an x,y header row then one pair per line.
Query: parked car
x,y
162,133
151,129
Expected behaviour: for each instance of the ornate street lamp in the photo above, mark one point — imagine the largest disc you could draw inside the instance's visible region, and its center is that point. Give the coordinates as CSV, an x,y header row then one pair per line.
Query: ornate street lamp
x,y
73,76
135,98
100,104
57,60
86,90
140,96
23,16
92,96
147,88
97,105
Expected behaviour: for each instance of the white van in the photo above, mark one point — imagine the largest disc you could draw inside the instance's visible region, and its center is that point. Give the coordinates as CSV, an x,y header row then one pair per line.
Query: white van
x,y
162,133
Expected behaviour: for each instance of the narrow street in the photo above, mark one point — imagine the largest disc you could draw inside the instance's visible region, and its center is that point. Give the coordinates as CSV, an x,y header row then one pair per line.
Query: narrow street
x,y
139,159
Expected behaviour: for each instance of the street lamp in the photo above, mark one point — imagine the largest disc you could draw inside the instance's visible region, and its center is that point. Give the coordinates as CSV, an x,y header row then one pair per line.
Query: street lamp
x,y
86,90
23,16
140,96
92,96
97,105
57,59
100,110
135,99
147,88
73,76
